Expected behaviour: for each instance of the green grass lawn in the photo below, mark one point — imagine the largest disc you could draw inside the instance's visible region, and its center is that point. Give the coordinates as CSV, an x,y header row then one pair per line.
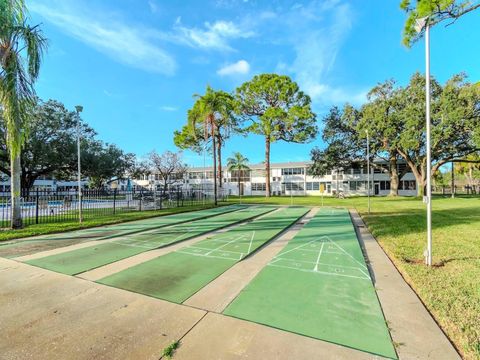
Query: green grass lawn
x,y
91,221
451,288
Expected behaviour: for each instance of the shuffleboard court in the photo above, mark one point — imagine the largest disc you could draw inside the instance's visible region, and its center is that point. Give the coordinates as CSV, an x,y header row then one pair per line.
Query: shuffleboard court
x,y
31,246
319,286
178,275
81,260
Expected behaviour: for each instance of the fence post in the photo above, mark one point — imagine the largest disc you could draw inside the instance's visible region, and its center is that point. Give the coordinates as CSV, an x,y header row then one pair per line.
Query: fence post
x,y
141,197
36,208
178,198
114,199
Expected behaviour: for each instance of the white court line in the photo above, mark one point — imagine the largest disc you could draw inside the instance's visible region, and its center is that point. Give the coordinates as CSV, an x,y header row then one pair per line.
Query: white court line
x,y
200,248
210,256
320,263
318,258
251,240
136,246
227,239
343,250
295,248
218,248
320,272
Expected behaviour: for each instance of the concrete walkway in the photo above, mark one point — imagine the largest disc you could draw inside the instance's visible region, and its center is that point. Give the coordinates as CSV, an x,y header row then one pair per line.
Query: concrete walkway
x,y
412,327
46,315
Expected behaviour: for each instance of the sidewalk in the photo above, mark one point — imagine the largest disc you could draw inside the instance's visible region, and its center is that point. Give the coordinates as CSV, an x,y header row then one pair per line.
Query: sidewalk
x,y
412,327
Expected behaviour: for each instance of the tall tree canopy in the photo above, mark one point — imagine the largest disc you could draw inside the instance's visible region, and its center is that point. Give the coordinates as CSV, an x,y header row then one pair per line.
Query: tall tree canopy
x,y
276,109
344,145
435,10
380,119
21,49
103,163
50,148
455,116
50,143
394,117
210,121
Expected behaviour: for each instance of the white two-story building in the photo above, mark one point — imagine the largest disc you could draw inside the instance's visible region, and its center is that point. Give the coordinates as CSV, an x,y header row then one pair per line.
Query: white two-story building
x,y
290,178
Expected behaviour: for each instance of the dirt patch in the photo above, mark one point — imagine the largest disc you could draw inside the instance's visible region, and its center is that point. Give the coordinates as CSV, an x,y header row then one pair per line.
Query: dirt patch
x,y
31,247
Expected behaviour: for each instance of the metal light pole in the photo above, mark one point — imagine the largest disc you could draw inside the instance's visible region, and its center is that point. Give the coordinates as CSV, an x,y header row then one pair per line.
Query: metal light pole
x,y
368,170
423,24
79,109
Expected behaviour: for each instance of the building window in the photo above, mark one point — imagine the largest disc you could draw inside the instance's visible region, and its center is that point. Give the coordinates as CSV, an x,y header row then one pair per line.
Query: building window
x,y
294,186
258,173
244,175
313,186
358,185
293,171
407,185
259,187
384,185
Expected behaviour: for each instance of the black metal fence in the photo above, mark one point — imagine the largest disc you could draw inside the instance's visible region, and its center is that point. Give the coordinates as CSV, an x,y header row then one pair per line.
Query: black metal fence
x,y
460,190
46,206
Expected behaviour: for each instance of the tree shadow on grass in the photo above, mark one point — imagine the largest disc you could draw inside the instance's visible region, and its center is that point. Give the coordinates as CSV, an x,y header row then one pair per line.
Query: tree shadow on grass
x,y
414,220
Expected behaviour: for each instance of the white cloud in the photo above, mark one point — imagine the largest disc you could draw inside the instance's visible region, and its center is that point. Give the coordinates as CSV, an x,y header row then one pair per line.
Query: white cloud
x,y
316,50
241,67
168,108
153,6
124,43
315,31
213,36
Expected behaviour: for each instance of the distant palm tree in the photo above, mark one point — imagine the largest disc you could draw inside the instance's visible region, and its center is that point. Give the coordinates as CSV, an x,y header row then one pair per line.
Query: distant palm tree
x,y
238,163
20,44
209,110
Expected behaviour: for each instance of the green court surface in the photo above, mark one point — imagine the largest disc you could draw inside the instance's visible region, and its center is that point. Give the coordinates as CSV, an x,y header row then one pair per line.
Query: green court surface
x,y
81,260
178,275
27,247
319,286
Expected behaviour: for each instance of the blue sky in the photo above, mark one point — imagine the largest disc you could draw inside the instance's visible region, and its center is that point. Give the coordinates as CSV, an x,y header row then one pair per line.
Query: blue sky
x,y
135,64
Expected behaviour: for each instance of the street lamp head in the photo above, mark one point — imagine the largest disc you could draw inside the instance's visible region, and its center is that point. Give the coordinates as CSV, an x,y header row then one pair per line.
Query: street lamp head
x,y
79,108
420,24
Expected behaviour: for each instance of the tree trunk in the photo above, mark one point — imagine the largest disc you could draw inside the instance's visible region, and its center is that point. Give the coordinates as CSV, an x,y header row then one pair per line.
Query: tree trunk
x,y
267,166
214,168
418,173
239,192
16,216
394,178
219,152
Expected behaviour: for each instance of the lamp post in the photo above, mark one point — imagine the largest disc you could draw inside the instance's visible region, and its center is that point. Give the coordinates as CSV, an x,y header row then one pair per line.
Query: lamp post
x,y
420,25
79,109
368,170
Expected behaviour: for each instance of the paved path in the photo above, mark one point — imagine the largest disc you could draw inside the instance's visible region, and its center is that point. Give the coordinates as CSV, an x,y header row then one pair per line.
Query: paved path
x,y
411,324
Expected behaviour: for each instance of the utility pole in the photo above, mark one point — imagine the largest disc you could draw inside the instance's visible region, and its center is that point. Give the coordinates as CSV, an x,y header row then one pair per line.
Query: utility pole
x,y
79,109
423,24
368,169
453,180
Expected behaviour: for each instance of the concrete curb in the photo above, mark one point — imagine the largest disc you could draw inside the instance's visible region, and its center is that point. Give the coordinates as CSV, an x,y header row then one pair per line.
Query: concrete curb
x,y
412,328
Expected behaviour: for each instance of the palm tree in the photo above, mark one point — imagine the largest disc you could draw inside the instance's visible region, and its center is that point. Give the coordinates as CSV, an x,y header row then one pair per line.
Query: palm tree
x,y
238,163
20,44
212,110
